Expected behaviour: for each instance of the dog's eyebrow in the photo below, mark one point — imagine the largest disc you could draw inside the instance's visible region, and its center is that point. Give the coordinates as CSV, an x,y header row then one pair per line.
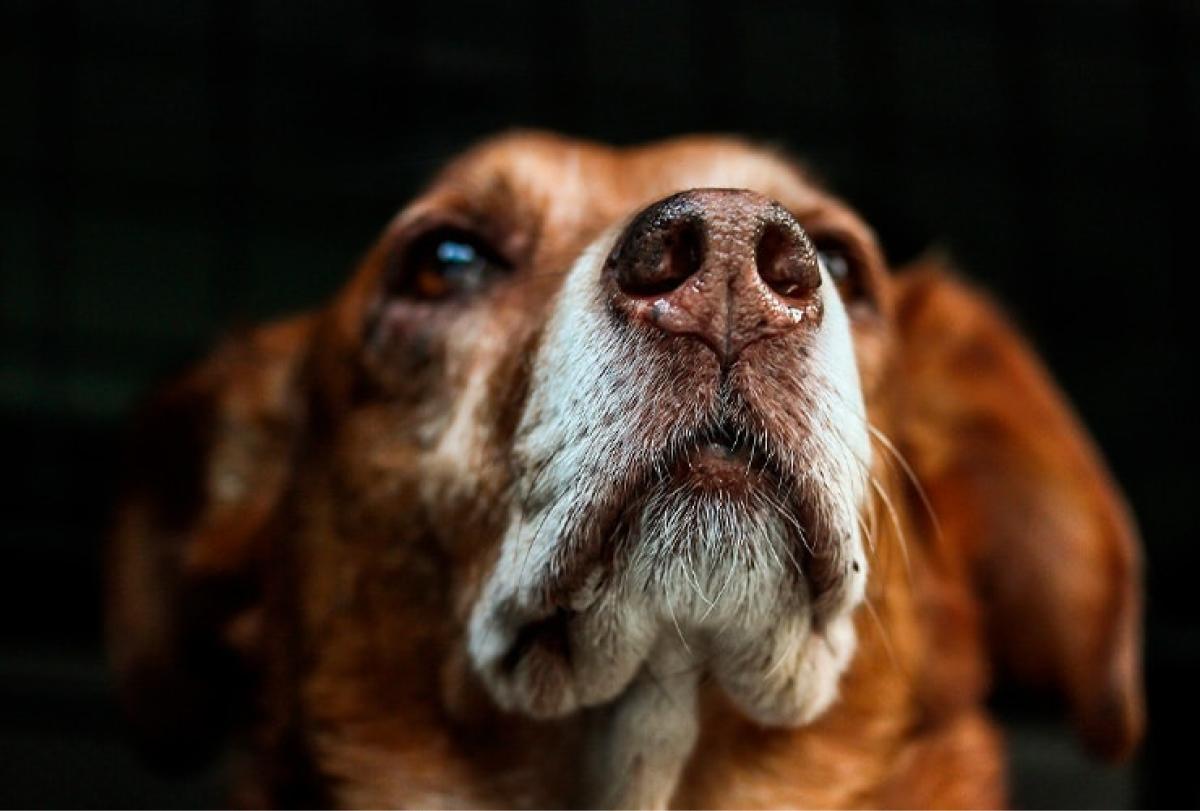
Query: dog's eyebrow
x,y
455,202
487,205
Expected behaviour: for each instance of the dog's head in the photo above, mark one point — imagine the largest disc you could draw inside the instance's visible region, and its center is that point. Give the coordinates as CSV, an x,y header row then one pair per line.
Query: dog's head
x,y
585,412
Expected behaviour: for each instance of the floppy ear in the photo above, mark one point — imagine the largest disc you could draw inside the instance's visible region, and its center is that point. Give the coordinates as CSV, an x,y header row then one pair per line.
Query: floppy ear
x,y
1021,492
207,463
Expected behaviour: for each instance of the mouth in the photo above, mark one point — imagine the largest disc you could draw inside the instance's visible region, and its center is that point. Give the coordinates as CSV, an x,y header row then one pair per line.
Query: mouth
x,y
710,541
715,463
718,473
717,535
721,460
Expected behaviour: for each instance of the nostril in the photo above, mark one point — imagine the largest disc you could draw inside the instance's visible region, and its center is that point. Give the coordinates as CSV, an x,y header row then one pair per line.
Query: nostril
x,y
659,259
787,261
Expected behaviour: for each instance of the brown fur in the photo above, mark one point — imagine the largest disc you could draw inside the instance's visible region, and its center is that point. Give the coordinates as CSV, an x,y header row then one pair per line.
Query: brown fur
x,y
290,548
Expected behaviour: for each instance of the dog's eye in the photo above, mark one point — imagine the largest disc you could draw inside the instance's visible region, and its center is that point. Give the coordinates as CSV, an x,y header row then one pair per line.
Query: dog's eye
x,y
842,268
448,264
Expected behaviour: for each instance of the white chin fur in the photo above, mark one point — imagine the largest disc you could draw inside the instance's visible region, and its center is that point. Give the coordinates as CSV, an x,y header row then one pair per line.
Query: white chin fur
x,y
714,579
718,579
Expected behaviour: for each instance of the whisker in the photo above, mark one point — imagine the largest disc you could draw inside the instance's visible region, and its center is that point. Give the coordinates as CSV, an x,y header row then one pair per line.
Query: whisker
x,y
876,433
689,569
887,443
678,629
786,514
885,636
788,652
881,492
721,593
868,536
896,525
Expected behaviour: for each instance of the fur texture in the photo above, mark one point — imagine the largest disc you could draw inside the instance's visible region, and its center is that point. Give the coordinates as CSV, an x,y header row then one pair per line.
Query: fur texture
x,y
474,550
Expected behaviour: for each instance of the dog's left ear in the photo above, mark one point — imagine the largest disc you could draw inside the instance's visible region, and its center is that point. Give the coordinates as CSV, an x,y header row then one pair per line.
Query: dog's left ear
x,y
1022,494
208,461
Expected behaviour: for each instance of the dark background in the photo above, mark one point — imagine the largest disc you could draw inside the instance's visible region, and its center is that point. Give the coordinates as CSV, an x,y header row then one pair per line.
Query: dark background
x,y
170,169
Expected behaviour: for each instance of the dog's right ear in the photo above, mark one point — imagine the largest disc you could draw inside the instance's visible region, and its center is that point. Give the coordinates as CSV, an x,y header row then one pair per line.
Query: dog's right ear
x,y
208,460
1023,498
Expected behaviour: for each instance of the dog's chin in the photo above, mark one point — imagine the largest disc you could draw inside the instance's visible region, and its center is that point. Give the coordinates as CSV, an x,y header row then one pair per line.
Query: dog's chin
x,y
711,556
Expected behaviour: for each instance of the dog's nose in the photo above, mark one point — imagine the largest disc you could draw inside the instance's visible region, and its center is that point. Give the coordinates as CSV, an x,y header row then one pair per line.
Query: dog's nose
x,y
726,266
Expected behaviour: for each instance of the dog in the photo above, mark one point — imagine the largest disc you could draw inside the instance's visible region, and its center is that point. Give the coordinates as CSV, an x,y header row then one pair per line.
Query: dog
x,y
621,478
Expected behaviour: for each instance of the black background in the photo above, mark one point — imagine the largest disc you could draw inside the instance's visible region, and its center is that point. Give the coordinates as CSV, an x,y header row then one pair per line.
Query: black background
x,y
170,169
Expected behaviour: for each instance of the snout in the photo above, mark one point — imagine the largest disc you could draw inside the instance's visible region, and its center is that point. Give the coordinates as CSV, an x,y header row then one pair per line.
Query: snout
x,y
662,497
727,267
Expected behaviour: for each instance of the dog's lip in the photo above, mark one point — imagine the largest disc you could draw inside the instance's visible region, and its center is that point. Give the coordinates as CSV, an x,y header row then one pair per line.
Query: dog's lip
x,y
722,458
714,458
733,465
722,440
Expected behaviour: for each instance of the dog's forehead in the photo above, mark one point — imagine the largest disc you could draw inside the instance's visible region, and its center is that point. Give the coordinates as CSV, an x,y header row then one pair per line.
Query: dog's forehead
x,y
567,181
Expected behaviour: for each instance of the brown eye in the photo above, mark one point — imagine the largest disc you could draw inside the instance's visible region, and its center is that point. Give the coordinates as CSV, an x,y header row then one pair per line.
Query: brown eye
x,y
448,264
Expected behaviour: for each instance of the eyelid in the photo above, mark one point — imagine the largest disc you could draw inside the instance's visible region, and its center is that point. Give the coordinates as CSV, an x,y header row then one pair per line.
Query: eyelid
x,y
500,245
423,230
844,243
415,254
832,238
858,263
